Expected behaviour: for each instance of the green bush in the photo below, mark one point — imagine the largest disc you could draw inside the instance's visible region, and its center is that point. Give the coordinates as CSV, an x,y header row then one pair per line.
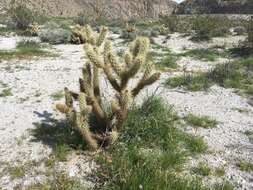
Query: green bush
x,y
189,82
207,27
151,152
81,20
55,36
237,74
21,16
171,22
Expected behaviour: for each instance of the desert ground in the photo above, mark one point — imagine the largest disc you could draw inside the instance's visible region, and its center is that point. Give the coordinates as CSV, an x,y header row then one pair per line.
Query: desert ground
x,y
29,123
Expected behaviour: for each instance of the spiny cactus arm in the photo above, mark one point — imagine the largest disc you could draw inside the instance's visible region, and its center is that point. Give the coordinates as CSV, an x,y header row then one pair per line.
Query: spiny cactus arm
x,y
82,126
63,108
131,72
82,85
125,99
93,56
102,36
143,83
88,31
140,46
89,90
111,59
87,85
111,78
128,58
68,98
115,106
96,83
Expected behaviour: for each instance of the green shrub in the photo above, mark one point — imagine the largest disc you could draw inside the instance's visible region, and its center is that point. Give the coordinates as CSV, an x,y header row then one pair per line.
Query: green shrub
x,y
81,20
204,54
55,36
151,152
169,61
21,15
245,166
171,22
189,82
204,121
202,169
237,74
206,27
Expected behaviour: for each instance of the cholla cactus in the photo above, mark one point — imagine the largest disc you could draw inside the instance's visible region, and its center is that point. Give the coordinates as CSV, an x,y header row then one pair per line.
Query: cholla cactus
x,y
81,35
103,59
33,29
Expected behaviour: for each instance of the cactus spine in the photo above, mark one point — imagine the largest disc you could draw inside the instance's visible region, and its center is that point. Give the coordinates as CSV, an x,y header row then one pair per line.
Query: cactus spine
x,y
102,59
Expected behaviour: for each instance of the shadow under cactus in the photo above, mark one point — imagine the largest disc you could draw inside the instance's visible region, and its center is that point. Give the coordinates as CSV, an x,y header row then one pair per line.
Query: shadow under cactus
x,y
55,133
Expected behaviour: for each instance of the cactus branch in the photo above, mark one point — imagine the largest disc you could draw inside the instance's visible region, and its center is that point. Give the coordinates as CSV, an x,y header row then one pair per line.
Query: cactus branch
x,y
103,64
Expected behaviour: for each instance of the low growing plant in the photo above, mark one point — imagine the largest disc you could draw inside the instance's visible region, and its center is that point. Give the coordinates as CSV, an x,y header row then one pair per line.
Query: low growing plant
x,y
151,151
204,121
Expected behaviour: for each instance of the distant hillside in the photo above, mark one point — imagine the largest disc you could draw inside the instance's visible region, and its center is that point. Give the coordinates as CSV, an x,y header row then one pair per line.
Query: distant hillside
x,y
105,8
215,6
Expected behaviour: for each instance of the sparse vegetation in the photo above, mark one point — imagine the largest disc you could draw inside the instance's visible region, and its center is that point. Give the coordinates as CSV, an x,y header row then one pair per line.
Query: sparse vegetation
x,y
245,166
55,36
224,186
21,15
237,74
189,82
197,121
24,50
206,27
202,169
6,92
219,172
151,150
138,146
169,60
59,182
204,54
16,172
57,95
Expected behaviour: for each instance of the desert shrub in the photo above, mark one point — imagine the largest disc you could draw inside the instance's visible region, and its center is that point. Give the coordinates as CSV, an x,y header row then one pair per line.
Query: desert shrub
x,y
189,82
171,22
250,33
55,36
21,15
202,29
81,19
237,74
206,27
55,33
200,121
151,151
130,36
204,54
239,30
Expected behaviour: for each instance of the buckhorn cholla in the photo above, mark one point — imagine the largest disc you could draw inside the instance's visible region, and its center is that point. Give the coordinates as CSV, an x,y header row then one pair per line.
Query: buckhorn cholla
x,y
103,62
